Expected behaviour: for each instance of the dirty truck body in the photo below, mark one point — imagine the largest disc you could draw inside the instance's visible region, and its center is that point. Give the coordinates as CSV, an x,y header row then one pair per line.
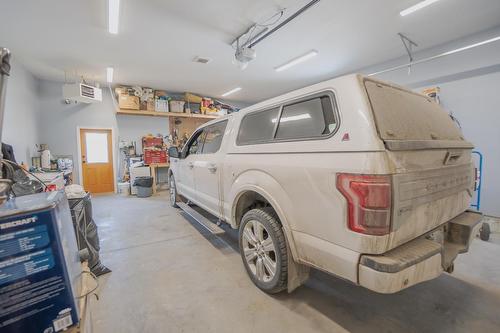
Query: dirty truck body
x,y
374,191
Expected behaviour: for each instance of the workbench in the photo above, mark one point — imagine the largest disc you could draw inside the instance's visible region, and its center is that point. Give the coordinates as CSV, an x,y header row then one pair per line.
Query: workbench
x,y
154,167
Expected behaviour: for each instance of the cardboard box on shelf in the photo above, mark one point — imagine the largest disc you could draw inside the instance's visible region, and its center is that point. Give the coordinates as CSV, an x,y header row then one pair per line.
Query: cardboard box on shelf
x,y
128,102
150,106
161,93
124,90
191,98
147,99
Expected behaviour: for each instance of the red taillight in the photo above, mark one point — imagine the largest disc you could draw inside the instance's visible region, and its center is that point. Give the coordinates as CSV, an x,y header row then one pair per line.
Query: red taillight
x,y
369,202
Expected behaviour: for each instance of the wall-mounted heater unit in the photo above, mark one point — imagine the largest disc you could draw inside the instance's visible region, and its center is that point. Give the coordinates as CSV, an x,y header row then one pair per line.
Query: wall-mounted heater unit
x,y
81,92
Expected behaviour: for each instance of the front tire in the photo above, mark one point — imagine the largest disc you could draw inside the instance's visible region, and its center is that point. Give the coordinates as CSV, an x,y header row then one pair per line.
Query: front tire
x,y
263,249
174,196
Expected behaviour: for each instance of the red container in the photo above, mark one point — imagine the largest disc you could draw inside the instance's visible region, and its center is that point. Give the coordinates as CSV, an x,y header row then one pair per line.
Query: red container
x,y
148,142
155,156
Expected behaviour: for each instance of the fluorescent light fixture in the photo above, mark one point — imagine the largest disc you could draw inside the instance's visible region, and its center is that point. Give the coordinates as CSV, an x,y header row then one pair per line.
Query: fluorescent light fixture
x,y
109,74
292,118
113,16
416,7
232,91
297,60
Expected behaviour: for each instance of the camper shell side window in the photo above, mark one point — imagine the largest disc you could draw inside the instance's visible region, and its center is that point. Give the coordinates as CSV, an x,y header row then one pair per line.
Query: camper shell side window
x,y
310,118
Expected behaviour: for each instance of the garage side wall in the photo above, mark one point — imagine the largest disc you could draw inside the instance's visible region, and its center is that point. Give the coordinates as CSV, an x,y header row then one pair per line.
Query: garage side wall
x,y
20,127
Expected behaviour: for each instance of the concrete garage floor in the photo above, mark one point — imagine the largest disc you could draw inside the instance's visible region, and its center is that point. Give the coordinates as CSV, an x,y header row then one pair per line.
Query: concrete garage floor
x,y
170,276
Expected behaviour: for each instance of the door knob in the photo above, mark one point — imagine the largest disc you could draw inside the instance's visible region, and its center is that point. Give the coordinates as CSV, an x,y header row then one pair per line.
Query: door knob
x,y
190,165
212,168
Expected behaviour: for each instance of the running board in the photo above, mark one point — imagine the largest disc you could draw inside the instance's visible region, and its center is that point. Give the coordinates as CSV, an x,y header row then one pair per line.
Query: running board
x,y
202,220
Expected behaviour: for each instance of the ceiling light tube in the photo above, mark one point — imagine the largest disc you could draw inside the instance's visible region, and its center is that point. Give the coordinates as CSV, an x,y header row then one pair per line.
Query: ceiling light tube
x,y
416,7
437,56
109,74
113,16
232,91
297,60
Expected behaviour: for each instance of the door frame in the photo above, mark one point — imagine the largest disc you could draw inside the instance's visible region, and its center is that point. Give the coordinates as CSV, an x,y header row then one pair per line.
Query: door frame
x,y
79,152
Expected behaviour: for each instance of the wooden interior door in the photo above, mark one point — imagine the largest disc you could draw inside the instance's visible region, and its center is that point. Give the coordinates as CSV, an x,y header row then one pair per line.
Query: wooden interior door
x,y
97,160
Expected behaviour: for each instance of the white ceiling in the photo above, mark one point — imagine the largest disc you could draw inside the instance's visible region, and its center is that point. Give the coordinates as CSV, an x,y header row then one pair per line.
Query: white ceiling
x,y
159,38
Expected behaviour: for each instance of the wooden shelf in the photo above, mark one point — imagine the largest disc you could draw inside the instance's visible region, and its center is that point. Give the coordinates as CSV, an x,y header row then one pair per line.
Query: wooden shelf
x,y
164,114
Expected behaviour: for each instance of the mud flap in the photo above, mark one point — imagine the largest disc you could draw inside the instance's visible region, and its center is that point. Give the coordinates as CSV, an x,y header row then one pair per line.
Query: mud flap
x,y
297,273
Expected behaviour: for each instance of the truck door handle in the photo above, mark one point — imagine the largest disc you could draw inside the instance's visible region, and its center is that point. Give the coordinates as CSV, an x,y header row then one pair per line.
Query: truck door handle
x,y
190,165
212,168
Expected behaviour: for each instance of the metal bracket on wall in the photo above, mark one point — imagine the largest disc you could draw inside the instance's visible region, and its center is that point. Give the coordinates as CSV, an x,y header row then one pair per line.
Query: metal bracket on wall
x,y
408,44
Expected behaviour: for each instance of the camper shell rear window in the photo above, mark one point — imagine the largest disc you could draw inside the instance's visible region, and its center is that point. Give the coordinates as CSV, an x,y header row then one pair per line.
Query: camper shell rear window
x,y
404,115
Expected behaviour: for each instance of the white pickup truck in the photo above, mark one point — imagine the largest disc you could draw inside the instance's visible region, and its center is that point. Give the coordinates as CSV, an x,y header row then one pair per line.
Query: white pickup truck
x,y
353,176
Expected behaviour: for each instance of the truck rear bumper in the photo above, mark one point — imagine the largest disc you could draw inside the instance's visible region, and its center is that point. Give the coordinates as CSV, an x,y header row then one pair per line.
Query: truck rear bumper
x,y
419,260
405,266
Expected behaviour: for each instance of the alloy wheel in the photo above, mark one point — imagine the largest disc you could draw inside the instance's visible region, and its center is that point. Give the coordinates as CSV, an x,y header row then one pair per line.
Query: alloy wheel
x,y
259,251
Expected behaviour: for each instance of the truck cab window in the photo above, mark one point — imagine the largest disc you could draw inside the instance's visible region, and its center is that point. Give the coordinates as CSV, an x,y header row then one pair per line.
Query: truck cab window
x,y
213,138
195,145
258,126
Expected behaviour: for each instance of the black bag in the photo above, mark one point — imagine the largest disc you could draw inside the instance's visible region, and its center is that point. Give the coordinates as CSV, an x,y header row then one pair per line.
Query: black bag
x,y
146,181
86,232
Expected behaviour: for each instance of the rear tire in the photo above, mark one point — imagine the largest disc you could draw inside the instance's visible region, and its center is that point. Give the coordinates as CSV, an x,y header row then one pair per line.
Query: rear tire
x,y
263,249
174,196
484,232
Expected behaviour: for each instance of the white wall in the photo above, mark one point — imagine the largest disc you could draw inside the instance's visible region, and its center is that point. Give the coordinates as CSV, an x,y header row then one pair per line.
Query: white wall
x,y
59,122
475,102
470,83
20,127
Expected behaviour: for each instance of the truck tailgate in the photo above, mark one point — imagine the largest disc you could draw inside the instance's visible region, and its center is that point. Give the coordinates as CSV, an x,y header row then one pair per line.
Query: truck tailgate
x,y
425,199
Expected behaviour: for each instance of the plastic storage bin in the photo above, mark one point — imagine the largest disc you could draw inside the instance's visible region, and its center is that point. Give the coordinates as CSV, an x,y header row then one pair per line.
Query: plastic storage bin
x,y
144,192
177,106
144,186
124,189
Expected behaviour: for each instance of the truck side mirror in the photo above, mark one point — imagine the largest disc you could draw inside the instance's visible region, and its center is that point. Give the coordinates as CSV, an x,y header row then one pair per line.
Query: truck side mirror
x,y
173,152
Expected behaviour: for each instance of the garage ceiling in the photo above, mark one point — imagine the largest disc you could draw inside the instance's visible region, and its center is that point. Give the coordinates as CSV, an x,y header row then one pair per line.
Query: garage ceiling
x,y
158,39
